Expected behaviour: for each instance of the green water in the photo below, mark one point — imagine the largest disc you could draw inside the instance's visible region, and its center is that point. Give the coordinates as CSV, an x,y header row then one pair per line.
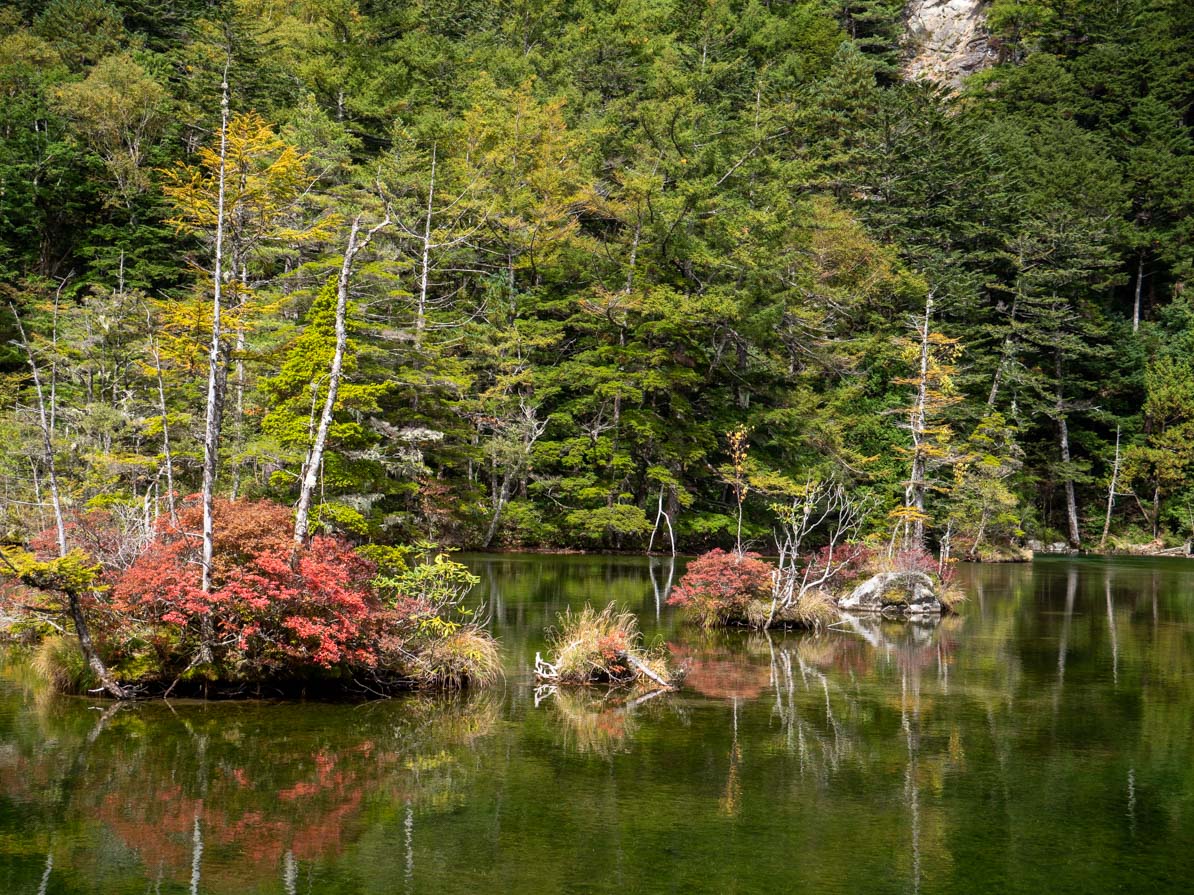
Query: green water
x,y
1042,741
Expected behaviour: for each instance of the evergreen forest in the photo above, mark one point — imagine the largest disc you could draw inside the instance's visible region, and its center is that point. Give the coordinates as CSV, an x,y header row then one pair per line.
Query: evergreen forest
x,y
597,274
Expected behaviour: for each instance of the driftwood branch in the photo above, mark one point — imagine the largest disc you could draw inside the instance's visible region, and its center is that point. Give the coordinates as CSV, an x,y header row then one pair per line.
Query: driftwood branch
x,y
641,667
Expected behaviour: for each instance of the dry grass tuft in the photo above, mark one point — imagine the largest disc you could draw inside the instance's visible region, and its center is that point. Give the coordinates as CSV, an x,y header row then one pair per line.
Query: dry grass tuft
x,y
469,656
815,609
58,662
591,646
951,596
585,643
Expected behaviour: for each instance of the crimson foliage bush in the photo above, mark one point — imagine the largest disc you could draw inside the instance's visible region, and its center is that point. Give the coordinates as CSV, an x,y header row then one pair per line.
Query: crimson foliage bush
x,y
265,615
717,586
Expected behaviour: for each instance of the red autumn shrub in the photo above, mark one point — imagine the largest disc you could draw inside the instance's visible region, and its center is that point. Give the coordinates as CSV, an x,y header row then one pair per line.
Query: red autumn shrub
x,y
718,586
612,647
264,616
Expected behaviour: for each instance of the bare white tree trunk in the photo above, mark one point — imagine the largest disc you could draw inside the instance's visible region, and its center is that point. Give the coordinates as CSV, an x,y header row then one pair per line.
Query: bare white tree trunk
x,y
522,432
211,427
1063,436
1139,287
74,607
914,493
425,265
314,461
500,498
824,505
47,436
1111,493
662,515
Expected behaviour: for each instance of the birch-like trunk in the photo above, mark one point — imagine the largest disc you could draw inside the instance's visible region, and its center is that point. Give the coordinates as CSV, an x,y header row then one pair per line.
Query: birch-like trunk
x,y
425,262
662,515
47,436
214,412
314,461
1111,493
915,494
501,497
73,605
1139,288
1063,437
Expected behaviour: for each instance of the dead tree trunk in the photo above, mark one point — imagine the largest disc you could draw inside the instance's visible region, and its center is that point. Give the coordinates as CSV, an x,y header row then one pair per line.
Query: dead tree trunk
x,y
1063,437
641,668
425,261
1111,493
501,497
314,460
74,606
914,495
523,432
661,514
212,421
1139,288
47,437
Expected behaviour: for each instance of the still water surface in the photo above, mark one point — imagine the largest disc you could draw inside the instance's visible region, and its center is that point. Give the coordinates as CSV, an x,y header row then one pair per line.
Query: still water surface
x,y
1042,741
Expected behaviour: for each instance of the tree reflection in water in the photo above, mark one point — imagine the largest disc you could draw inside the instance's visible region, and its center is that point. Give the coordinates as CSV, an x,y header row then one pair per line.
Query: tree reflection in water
x,y
224,797
1043,740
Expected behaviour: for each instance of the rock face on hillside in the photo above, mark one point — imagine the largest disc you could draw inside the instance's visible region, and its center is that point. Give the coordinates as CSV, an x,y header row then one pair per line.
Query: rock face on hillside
x,y
894,593
947,39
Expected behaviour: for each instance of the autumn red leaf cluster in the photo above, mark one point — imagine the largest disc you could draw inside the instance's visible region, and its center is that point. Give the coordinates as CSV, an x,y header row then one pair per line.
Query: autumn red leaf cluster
x,y
267,612
718,586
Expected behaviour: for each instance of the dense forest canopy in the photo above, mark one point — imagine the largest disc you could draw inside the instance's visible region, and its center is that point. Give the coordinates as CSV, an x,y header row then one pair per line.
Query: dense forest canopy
x,y
610,263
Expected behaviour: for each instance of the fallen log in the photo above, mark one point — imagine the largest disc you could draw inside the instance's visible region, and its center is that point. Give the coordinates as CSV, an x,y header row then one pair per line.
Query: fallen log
x,y
641,667
1183,550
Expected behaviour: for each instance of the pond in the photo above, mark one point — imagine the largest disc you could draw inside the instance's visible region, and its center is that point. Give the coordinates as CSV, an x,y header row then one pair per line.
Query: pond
x,y
1041,741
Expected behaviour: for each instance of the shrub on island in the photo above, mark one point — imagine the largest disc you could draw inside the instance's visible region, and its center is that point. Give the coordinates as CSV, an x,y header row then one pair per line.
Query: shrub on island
x,y
721,589
321,617
603,647
718,588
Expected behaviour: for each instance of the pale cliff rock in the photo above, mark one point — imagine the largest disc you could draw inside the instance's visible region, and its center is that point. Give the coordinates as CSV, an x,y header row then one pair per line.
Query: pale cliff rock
x,y
946,39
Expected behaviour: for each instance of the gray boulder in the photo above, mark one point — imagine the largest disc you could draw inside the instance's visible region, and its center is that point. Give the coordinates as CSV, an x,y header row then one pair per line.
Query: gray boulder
x,y
894,593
